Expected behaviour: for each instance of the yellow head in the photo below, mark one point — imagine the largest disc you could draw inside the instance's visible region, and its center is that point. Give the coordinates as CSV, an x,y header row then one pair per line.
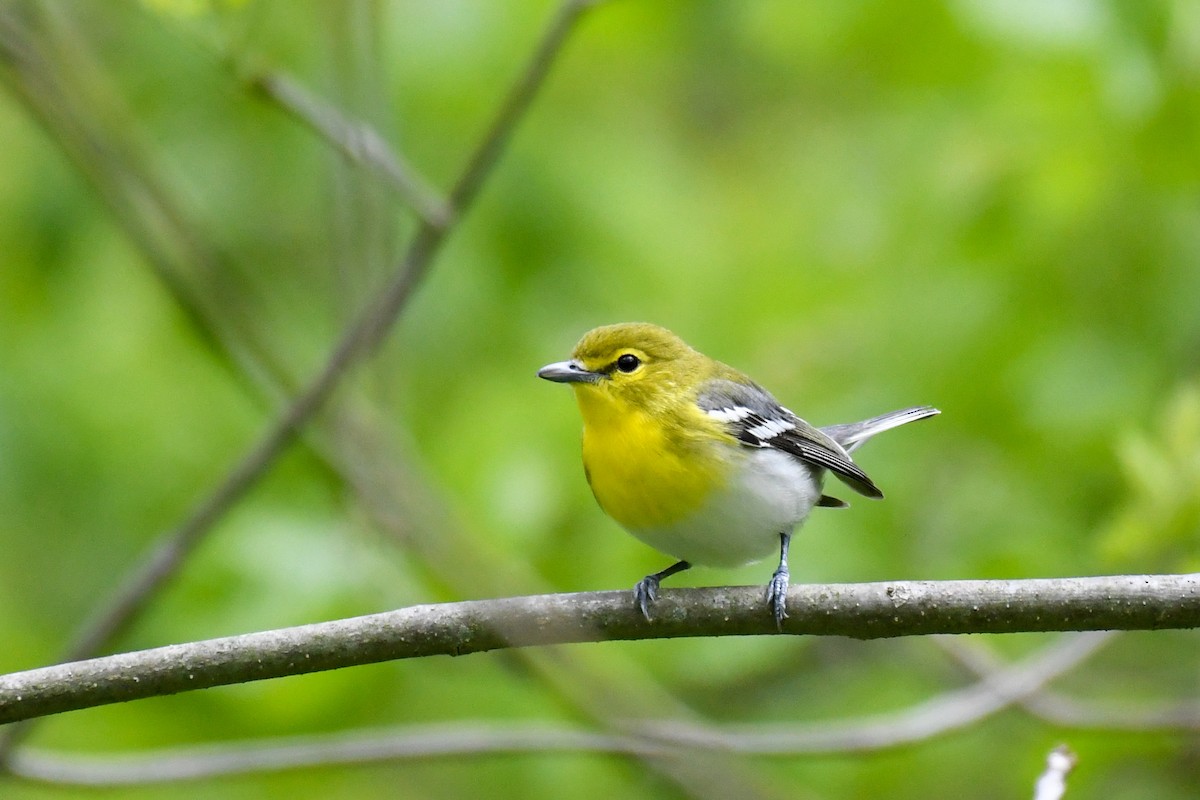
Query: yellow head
x,y
636,385
630,365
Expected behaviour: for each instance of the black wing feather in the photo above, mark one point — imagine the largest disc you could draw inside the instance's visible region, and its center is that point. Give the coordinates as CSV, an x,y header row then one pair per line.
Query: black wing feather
x,y
756,419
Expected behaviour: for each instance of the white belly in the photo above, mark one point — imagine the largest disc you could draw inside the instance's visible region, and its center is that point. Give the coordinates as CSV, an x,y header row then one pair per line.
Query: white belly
x,y
741,523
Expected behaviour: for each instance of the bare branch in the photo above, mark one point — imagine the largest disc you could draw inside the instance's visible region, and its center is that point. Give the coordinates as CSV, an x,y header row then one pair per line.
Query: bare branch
x,y
946,712
358,141
362,747
869,610
942,714
517,102
1068,712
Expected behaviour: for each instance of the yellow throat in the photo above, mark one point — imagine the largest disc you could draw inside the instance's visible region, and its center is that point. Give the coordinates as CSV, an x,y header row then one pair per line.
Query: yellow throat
x,y
644,474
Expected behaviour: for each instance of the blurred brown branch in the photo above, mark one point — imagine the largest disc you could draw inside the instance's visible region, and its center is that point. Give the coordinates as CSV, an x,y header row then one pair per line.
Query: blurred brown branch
x,y
871,610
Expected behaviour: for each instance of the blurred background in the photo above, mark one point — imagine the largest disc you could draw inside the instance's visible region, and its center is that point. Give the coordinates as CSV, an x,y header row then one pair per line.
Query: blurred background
x,y
992,206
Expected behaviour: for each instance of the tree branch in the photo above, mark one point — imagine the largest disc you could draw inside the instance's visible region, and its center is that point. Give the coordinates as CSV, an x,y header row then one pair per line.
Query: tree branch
x,y
866,611
305,752
945,712
356,140
951,710
1065,711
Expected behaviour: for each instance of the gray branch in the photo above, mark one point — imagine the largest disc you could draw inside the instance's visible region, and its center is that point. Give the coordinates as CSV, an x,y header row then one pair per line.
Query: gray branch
x,y
1119,714
865,611
949,711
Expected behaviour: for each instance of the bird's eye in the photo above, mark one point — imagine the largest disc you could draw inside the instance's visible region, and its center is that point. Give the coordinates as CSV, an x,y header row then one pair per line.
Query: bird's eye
x,y
628,362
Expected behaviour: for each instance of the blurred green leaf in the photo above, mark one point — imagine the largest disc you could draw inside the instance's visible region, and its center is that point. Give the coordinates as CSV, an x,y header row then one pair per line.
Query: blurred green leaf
x,y
1158,524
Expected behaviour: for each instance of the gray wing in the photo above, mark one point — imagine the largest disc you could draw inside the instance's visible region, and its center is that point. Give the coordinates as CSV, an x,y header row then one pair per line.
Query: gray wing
x,y
756,419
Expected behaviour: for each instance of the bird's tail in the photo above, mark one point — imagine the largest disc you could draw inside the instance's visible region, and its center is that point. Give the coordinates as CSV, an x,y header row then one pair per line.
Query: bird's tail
x,y
851,434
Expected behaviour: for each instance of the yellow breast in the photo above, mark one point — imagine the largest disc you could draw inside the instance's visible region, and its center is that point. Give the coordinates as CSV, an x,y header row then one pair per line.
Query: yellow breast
x,y
645,474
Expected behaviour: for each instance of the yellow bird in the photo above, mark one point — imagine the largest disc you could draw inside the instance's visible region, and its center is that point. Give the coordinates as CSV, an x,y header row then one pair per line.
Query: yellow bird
x,y
697,460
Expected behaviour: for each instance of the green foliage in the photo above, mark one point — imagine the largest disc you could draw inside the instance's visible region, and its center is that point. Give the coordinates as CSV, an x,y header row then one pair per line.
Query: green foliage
x,y
1159,521
982,205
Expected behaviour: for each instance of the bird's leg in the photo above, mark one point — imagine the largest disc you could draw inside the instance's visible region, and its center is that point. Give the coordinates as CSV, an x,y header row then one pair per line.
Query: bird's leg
x,y
646,591
777,588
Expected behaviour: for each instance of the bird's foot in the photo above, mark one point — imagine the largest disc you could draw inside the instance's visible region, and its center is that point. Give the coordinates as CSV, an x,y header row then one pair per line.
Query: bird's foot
x,y
645,593
777,595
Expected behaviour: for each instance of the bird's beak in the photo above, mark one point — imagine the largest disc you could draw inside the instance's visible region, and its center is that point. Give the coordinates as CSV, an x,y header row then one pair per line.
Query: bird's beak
x,y
568,372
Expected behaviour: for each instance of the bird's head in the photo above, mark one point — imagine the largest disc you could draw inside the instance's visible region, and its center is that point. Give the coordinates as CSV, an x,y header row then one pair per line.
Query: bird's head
x,y
629,364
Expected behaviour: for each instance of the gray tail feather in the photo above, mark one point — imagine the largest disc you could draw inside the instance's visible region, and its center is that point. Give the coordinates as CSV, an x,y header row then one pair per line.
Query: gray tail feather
x,y
851,434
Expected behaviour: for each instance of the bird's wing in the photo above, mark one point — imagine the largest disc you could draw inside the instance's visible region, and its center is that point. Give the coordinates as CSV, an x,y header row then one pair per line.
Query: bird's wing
x,y
755,418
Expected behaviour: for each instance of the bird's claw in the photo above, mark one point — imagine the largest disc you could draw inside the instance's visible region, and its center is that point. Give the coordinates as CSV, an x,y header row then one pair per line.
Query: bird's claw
x,y
777,595
645,593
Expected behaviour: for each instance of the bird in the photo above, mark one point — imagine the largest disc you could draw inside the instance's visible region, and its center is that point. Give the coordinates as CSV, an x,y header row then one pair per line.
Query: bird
x,y
697,460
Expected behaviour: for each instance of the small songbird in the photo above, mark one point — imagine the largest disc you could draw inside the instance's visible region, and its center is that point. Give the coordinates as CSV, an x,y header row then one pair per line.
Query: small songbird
x,y
697,460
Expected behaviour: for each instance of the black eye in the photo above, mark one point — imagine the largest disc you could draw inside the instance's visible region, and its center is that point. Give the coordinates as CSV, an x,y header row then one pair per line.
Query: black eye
x,y
628,362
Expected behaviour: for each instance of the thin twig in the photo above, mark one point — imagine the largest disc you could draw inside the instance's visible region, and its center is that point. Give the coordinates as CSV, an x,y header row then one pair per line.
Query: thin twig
x,y
868,610
1064,711
361,747
950,711
1068,712
939,715
358,141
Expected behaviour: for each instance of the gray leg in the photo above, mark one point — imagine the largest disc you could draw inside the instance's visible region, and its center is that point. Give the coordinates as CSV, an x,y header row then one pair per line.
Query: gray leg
x,y
646,591
777,588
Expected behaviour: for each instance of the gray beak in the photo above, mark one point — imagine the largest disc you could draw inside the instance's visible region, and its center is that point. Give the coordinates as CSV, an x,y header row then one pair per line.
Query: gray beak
x,y
567,372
